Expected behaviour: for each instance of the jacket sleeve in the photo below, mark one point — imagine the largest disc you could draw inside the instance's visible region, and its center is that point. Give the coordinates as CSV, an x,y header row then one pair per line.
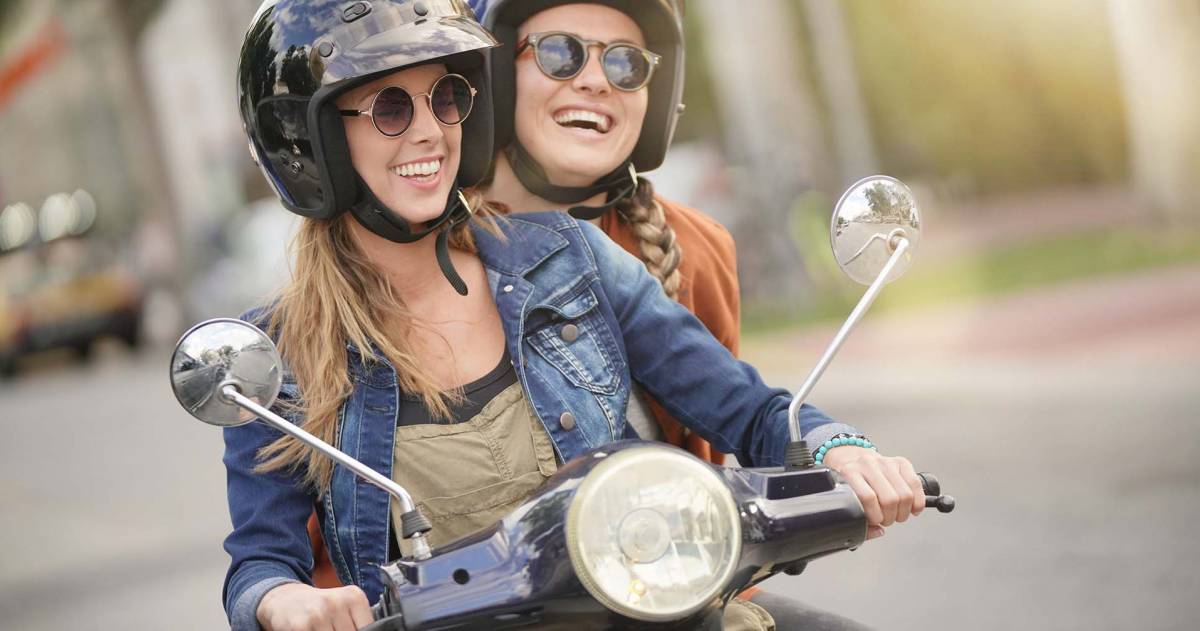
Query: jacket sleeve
x,y
691,374
269,544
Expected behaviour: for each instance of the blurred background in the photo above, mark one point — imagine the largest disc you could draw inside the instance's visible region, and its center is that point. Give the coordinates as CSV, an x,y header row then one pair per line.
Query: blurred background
x,y
1042,356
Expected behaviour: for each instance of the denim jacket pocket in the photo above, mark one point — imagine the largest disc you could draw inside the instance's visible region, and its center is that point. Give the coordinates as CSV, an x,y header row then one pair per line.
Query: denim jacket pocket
x,y
573,337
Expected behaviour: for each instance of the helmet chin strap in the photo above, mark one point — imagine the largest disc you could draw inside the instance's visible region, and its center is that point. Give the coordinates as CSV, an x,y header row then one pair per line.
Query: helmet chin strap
x,y
375,216
618,184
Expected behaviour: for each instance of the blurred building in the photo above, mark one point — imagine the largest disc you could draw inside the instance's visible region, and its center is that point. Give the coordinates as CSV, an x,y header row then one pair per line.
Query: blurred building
x,y
63,92
189,58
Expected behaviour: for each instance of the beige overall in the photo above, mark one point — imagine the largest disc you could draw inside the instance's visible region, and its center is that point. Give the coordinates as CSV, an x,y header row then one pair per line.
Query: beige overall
x,y
466,476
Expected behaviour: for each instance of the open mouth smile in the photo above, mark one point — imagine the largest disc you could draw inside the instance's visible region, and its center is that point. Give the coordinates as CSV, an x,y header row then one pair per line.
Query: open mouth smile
x,y
584,119
419,172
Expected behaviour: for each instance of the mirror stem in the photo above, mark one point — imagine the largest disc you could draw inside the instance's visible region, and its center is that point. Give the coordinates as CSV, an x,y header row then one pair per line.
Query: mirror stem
x,y
900,245
420,547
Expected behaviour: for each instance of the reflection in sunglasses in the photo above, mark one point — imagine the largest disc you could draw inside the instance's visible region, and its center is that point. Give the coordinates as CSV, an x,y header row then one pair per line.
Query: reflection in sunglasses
x,y
563,56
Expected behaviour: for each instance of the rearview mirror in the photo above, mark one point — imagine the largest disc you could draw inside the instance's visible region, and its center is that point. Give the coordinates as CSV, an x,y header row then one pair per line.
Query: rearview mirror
x,y
868,219
223,352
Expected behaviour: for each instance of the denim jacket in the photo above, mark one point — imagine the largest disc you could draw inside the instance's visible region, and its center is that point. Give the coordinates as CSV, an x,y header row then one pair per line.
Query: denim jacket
x,y
582,321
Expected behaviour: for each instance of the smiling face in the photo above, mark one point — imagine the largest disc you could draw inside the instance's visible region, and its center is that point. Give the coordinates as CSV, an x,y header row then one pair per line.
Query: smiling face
x,y
582,128
411,174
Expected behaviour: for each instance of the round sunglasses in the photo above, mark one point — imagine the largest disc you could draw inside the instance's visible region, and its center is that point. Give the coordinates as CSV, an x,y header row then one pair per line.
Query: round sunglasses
x,y
563,56
392,109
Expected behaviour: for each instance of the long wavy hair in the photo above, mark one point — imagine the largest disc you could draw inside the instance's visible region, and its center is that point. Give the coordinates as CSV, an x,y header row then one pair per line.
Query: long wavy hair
x,y
337,295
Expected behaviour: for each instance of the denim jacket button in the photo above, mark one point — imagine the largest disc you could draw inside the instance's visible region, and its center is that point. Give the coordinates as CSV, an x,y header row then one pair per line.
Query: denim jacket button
x,y
569,333
567,421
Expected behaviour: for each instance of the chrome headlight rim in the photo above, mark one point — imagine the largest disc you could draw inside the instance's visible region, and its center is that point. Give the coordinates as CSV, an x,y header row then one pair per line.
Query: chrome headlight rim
x,y
681,460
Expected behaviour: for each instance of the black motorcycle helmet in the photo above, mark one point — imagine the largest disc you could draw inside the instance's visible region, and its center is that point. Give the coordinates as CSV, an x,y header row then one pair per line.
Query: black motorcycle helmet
x,y
661,24
299,55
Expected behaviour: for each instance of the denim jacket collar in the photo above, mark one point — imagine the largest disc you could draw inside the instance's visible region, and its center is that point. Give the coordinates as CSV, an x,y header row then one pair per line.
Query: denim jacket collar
x,y
524,244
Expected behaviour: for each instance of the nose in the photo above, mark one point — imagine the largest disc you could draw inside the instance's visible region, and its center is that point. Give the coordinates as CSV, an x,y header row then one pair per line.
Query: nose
x,y
425,127
591,79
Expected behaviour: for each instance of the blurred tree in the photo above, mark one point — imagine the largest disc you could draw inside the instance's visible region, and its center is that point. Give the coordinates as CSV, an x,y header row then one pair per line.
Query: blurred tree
x,y
136,15
772,133
837,73
7,10
700,120
131,17
1158,46
991,96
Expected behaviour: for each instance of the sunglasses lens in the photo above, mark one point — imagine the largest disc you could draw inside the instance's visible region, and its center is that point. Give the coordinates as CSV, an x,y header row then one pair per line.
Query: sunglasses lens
x,y
392,111
626,67
560,56
451,99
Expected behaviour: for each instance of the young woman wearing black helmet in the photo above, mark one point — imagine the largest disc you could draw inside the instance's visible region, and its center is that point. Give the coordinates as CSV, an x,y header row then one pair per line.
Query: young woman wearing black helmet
x,y
576,121
587,95
464,356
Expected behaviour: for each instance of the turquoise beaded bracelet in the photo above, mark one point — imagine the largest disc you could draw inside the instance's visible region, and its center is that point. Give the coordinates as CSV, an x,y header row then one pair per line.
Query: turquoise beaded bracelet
x,y
840,440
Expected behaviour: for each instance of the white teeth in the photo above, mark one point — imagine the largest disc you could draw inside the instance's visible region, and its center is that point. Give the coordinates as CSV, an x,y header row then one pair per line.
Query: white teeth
x,y
418,169
601,121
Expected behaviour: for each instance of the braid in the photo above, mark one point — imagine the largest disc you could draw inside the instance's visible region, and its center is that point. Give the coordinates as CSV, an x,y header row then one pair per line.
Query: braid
x,y
659,249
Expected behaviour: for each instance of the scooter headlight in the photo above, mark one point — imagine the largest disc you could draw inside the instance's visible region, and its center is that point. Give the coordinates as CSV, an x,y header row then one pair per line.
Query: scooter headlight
x,y
653,533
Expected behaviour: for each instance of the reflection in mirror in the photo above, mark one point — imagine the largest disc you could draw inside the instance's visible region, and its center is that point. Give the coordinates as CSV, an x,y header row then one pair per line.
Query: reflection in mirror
x,y
219,352
867,219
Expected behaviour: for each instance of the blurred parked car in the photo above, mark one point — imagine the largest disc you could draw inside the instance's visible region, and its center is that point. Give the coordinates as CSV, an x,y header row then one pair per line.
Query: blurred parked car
x,y
65,293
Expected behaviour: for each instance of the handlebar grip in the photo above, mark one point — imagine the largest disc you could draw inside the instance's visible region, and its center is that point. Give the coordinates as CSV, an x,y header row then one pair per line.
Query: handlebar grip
x,y
933,493
930,483
393,623
390,624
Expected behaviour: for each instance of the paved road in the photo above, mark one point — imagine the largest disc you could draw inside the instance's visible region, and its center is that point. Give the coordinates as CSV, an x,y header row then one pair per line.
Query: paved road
x,y
1064,421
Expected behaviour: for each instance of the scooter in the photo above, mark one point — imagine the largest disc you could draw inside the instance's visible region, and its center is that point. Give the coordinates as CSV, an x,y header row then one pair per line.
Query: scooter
x,y
631,535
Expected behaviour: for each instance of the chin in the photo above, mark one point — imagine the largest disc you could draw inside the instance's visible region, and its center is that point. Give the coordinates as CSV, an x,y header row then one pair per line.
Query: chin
x,y
585,163
419,213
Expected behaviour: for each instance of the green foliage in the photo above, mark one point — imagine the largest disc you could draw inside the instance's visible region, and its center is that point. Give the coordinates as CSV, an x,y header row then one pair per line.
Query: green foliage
x,y
1004,95
1038,263
1043,262
8,13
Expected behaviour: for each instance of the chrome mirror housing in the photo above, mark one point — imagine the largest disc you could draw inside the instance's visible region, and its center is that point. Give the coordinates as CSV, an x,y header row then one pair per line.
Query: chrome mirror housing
x,y
868,221
221,352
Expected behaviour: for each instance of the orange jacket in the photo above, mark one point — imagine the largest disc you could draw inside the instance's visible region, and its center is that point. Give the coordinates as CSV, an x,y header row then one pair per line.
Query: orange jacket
x,y
709,289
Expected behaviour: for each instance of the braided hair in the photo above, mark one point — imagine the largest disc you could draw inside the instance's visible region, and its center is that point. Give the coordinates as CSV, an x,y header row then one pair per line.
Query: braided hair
x,y
659,249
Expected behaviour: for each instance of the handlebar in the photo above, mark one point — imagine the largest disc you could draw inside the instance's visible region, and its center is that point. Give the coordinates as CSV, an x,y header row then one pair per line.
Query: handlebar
x,y
393,623
933,493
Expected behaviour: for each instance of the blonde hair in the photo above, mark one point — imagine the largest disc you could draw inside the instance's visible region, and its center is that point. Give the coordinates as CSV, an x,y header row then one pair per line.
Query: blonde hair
x,y
337,295
658,248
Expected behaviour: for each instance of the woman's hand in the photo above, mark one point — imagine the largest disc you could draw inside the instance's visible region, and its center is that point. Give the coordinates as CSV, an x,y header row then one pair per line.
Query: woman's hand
x,y
300,607
888,487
